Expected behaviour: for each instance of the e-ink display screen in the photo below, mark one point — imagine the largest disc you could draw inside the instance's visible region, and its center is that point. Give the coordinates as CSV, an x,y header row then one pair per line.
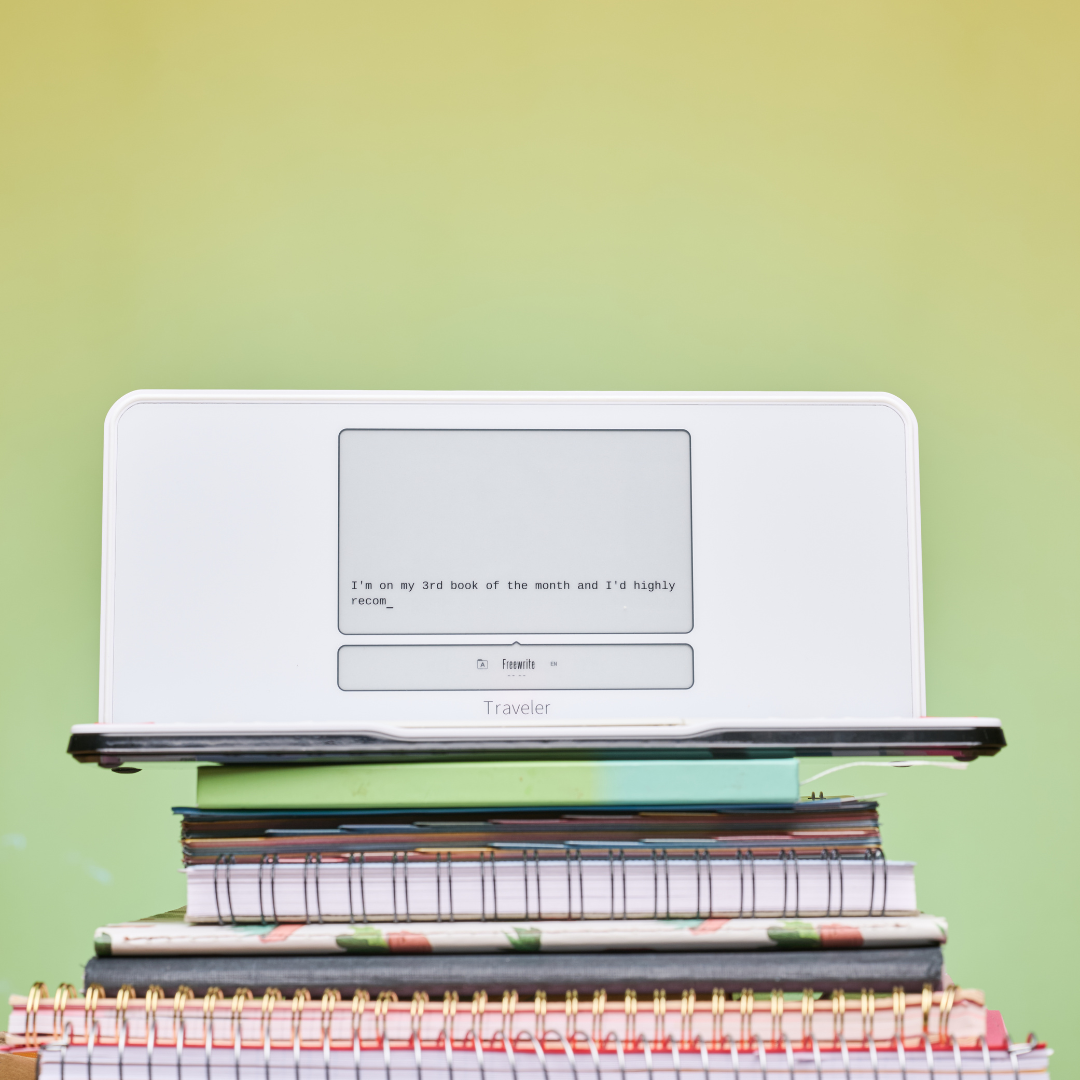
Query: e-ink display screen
x,y
512,531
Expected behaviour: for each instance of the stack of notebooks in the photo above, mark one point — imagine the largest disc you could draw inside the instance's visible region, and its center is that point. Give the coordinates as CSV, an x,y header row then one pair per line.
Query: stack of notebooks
x,y
557,918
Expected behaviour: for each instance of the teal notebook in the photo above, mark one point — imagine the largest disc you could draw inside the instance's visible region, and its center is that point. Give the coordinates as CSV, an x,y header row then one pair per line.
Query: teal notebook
x,y
460,784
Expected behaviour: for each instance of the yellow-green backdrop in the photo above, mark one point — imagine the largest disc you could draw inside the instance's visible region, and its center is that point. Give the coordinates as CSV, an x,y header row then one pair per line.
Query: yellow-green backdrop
x,y
814,194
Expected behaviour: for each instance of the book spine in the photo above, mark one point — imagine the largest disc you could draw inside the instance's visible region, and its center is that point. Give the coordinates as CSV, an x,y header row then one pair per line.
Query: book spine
x,y
283,939
442,785
826,970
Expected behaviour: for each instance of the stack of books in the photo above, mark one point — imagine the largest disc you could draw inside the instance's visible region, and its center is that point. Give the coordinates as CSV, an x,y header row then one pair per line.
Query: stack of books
x,y
430,920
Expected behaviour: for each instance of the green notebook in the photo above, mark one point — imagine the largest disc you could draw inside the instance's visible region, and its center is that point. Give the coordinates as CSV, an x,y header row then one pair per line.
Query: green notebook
x,y
459,784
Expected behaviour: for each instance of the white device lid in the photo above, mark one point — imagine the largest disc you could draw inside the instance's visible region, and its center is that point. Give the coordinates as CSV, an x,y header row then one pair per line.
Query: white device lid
x,y
288,574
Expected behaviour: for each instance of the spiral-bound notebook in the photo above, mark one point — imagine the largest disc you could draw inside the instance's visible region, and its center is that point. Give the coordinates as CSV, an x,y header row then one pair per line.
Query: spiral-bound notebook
x,y
654,1035
608,883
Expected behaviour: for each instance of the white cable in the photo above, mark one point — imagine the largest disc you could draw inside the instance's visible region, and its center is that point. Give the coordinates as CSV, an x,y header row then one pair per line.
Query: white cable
x,y
885,765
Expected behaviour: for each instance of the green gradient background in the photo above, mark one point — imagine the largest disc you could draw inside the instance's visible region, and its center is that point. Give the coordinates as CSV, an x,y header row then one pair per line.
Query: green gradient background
x,y
726,195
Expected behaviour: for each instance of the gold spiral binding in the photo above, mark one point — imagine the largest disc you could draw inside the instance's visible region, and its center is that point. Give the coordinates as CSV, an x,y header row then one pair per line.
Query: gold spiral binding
x,y
479,1008
33,1003
630,1014
416,1011
599,1005
64,992
242,996
776,1012
95,994
180,1000
270,998
213,995
150,1005
382,1007
746,1015
899,1008
299,1000
359,1003
660,1038
719,1002
539,1014
330,999
123,1000
948,999
571,1013
686,1017
839,1008
867,1005
509,1008
807,1015
236,1014
449,1012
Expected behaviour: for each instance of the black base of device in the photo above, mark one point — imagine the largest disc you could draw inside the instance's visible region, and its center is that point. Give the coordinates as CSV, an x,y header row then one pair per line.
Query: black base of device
x,y
113,750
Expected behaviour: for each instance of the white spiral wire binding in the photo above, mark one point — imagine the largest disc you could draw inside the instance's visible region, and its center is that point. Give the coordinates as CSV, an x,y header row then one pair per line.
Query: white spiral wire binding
x,y
568,1050
91,1038
619,1052
68,1035
647,1047
121,1035
359,1002
845,1058
594,1052
478,1049
704,1059
576,861
789,1054
385,1043
957,1059
763,1060
209,1003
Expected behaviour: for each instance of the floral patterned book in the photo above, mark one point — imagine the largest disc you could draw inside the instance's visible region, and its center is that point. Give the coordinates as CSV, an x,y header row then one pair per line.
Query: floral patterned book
x,y
169,934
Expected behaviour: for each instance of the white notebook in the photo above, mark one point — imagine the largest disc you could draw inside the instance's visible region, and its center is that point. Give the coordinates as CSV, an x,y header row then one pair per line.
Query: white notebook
x,y
432,888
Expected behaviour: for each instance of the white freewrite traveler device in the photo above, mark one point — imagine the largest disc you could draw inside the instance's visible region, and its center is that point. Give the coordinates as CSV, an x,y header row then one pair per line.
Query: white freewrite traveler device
x,y
355,576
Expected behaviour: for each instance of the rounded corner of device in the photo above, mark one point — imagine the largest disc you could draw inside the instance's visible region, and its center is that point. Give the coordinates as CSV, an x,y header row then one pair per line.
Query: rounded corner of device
x,y
901,408
125,402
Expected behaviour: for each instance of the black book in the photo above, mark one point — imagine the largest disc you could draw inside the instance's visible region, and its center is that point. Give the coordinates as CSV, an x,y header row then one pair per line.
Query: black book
x,y
822,970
